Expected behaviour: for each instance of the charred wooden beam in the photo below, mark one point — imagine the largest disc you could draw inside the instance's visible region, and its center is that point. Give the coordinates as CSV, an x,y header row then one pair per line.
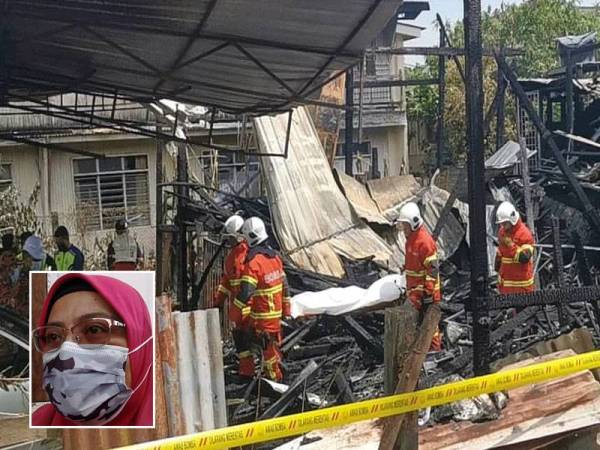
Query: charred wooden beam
x,y
367,342
546,297
396,82
590,211
297,335
559,268
435,51
476,182
343,387
286,399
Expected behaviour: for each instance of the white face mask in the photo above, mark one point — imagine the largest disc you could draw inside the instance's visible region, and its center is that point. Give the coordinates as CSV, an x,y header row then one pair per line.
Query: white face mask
x,y
86,383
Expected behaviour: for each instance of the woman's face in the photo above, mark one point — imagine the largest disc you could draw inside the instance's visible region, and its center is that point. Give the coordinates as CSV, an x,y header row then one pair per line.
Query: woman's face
x,y
77,306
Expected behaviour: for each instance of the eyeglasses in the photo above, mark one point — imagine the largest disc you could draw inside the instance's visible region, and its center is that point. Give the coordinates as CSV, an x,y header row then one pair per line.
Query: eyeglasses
x,y
88,331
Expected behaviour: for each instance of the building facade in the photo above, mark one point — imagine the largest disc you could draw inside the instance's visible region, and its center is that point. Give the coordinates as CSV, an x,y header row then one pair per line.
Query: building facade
x,y
383,122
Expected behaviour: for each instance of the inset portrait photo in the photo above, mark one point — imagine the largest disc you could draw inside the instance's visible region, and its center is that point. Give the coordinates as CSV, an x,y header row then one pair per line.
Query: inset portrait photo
x,y
92,349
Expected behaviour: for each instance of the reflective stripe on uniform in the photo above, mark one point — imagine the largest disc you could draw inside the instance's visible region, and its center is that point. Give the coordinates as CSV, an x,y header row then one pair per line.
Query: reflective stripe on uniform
x,y
430,259
270,366
241,305
250,280
235,282
419,287
244,354
269,291
223,289
412,273
512,283
265,315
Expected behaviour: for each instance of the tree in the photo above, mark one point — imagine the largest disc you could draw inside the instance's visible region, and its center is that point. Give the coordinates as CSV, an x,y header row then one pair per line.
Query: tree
x,y
531,26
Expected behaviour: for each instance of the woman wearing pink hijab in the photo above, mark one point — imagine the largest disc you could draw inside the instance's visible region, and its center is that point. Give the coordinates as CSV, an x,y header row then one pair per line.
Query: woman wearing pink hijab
x,y
95,336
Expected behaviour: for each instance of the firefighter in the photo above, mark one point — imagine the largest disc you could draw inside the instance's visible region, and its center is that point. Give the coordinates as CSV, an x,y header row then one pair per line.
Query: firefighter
x,y
229,288
514,257
264,288
421,265
123,252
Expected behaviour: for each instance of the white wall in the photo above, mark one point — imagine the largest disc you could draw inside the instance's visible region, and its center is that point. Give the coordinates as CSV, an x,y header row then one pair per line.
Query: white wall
x,y
27,170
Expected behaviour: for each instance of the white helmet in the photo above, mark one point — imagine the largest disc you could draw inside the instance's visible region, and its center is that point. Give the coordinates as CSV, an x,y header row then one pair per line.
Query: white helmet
x,y
254,231
506,212
234,224
411,214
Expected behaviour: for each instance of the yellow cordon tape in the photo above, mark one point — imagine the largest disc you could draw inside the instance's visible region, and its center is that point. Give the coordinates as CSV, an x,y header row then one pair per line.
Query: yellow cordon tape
x,y
295,424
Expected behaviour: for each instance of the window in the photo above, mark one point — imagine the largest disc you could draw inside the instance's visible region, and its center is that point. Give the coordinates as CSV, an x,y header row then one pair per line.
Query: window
x,y
235,171
5,177
111,188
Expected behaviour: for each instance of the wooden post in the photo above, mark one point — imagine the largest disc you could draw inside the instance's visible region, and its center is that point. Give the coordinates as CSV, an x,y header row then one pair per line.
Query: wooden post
x,y
409,377
527,194
441,101
569,97
39,290
527,186
182,244
400,335
349,118
160,267
501,88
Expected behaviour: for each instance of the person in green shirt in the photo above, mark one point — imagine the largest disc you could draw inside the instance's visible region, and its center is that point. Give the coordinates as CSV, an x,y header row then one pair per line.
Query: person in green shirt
x,y
68,256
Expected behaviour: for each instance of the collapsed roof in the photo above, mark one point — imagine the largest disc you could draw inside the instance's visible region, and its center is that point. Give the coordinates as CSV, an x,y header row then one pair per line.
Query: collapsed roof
x,y
238,56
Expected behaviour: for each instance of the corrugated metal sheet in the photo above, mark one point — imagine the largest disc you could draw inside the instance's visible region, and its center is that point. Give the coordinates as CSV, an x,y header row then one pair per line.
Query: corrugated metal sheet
x,y
390,193
506,156
315,223
14,119
202,386
190,50
358,196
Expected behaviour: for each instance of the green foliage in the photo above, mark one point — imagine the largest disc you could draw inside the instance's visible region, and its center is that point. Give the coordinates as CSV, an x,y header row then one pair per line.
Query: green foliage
x,y
531,26
421,101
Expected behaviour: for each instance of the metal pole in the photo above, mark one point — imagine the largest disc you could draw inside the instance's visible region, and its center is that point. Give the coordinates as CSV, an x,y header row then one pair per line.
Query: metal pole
x,y
349,116
476,183
441,101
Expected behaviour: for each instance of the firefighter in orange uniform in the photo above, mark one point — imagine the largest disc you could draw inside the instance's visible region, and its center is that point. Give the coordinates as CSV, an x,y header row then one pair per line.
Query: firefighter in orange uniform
x,y
264,289
421,265
514,258
229,288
